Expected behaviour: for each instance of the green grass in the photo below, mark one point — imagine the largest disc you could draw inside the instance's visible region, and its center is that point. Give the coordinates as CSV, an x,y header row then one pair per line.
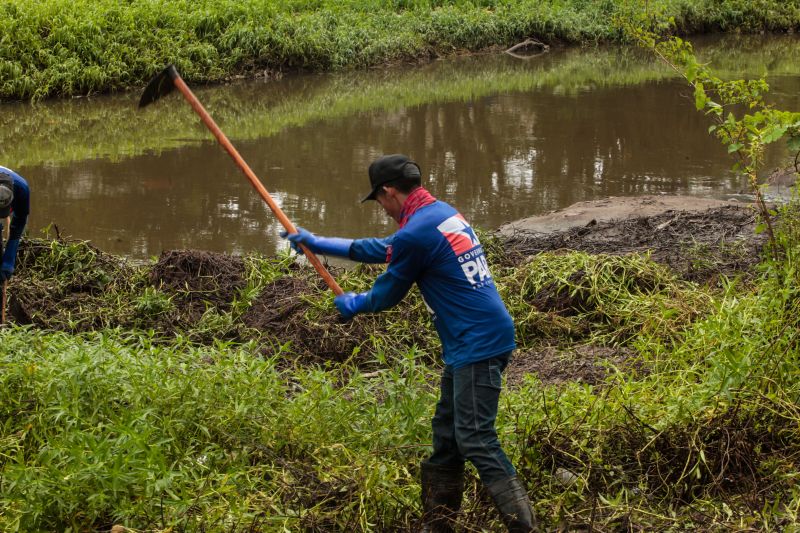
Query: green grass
x,y
126,426
68,47
111,428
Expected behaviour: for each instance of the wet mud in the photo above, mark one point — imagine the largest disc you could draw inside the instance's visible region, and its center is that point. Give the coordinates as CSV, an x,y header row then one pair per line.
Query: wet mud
x,y
584,364
284,312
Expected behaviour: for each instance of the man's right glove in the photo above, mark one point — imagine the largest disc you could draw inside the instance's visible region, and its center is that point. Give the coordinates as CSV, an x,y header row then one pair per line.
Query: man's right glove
x,y
319,245
350,304
9,259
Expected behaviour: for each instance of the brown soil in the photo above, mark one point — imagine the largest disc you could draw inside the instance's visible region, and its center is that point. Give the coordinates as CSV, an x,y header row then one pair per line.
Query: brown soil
x,y
282,312
584,364
63,293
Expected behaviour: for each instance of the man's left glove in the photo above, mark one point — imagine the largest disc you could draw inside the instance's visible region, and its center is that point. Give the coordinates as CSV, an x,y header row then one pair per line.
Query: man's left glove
x,y
9,258
350,304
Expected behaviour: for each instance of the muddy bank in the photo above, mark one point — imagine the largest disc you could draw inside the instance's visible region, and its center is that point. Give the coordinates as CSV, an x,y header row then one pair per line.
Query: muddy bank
x,y
611,209
72,286
700,239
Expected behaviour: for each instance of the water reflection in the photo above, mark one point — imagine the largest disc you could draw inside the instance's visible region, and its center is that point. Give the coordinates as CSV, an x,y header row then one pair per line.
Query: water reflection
x,y
498,138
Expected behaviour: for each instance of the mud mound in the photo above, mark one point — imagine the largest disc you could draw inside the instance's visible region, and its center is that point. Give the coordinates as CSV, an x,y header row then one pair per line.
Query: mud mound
x,y
199,278
699,246
282,312
59,284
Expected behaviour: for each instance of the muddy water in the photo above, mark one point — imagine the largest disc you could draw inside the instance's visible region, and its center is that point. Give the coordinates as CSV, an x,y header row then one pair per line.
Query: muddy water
x,y
498,137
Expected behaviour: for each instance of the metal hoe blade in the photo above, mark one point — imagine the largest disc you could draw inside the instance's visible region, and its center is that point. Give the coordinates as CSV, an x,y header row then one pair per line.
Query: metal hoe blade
x,y
161,85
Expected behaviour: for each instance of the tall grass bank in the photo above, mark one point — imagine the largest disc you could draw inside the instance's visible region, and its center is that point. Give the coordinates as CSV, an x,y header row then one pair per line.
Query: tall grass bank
x,y
78,47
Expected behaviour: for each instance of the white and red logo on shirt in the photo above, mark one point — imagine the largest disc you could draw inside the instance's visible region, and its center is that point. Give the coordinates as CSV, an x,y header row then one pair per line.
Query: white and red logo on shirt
x,y
459,234
468,251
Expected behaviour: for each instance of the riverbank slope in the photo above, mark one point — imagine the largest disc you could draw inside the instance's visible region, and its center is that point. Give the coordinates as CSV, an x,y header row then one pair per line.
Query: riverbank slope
x,y
651,389
71,48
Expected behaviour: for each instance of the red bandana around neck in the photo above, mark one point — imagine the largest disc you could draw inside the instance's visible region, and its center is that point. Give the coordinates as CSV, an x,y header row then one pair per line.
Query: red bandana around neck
x,y
419,197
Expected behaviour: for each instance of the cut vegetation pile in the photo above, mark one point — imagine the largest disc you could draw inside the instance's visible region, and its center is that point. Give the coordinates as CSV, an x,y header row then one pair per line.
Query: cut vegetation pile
x,y
199,280
209,392
72,286
557,286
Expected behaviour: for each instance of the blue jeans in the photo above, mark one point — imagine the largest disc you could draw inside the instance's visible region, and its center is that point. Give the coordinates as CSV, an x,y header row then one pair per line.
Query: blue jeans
x,y
463,425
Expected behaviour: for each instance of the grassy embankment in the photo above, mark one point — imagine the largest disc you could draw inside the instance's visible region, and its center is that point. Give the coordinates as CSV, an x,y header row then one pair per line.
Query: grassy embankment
x,y
139,413
68,47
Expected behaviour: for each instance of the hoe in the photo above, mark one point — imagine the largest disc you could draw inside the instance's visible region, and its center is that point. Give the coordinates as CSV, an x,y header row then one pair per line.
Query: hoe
x,y
161,85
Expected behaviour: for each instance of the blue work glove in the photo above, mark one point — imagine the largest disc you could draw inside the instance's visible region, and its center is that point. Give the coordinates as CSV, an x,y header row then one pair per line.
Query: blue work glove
x,y
319,245
9,258
350,304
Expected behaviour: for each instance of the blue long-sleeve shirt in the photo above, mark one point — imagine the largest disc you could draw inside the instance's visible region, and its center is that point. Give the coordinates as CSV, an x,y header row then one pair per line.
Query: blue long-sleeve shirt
x,y
439,251
20,206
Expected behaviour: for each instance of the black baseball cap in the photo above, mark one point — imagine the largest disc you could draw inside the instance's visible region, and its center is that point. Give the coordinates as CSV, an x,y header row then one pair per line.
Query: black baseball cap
x,y
388,168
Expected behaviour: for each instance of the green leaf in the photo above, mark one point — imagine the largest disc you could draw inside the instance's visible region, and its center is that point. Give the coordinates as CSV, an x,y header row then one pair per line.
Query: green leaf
x,y
714,108
734,147
760,228
712,128
773,133
700,97
691,72
794,144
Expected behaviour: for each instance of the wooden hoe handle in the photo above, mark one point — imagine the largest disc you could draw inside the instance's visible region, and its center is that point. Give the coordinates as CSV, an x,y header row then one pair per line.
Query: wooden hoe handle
x,y
245,168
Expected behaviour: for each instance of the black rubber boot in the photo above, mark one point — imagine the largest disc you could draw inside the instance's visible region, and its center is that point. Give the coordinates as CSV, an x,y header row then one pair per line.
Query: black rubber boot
x,y
442,487
512,501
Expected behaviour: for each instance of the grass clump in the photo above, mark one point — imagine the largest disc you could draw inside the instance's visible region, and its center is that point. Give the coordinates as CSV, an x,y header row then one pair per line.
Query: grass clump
x,y
610,298
100,428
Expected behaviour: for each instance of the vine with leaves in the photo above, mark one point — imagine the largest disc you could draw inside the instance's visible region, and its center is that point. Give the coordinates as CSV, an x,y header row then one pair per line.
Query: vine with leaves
x,y
742,119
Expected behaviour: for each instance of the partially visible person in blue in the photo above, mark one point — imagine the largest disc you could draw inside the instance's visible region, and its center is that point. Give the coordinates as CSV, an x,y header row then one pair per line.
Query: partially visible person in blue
x,y
15,200
437,249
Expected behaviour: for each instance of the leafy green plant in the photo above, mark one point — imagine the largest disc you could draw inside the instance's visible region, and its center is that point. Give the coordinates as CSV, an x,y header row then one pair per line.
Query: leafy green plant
x,y
742,119
152,303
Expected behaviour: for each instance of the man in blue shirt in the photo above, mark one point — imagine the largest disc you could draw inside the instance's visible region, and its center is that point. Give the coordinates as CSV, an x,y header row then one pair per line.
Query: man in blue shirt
x,y
437,249
14,201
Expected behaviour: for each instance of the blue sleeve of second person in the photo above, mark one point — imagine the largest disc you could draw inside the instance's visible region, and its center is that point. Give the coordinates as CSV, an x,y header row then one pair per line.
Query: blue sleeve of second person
x,y
20,208
370,250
